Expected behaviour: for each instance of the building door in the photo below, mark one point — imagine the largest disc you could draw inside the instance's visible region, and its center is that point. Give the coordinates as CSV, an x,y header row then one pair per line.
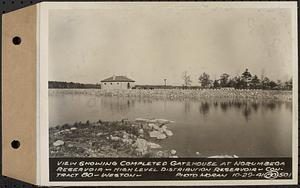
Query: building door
x,y
128,85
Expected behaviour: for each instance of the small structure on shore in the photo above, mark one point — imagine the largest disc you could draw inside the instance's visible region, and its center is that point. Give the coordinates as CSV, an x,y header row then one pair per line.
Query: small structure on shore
x,y
117,82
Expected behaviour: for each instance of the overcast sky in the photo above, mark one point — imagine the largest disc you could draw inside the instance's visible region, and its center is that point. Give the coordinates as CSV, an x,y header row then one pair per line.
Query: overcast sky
x,y
151,44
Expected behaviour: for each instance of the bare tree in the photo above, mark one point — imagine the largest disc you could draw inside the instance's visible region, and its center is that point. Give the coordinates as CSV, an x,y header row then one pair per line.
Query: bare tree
x,y
186,79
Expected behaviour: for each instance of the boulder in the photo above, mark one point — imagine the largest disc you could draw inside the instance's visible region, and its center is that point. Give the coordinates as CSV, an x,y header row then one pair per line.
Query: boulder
x,y
153,134
157,134
153,145
141,145
125,136
154,126
163,121
127,140
114,138
142,120
164,127
58,143
173,152
168,133
151,125
161,130
73,128
57,133
159,154
161,136
99,134
141,131
65,130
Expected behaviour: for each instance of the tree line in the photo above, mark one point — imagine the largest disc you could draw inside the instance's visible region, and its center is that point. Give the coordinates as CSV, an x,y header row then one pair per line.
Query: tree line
x,y
244,81
72,85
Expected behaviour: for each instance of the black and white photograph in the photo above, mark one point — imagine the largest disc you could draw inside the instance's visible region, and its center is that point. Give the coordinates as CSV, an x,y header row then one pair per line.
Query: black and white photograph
x,y
171,80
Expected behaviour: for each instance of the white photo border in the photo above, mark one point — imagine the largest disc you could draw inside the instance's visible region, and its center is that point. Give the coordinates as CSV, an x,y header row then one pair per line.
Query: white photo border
x,y
42,92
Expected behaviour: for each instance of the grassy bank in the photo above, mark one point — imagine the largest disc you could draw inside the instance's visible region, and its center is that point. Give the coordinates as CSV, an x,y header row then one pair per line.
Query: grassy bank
x,y
182,94
124,138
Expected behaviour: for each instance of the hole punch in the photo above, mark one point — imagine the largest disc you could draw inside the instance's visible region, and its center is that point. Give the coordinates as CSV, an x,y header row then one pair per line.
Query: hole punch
x,y
16,40
15,144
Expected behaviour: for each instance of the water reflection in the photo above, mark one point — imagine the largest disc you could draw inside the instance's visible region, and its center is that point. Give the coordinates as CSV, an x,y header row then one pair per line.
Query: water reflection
x,y
270,106
255,106
117,105
238,105
204,108
246,108
210,126
289,106
187,107
247,112
224,106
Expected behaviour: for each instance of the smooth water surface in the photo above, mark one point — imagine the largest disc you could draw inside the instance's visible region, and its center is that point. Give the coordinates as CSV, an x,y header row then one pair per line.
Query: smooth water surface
x,y
247,128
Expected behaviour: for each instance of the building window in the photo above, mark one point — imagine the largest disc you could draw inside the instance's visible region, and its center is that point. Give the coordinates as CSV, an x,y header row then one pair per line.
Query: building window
x,y
104,83
118,83
110,83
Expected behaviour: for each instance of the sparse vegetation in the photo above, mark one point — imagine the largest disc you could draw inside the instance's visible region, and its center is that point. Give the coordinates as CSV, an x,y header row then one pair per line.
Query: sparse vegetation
x,y
110,139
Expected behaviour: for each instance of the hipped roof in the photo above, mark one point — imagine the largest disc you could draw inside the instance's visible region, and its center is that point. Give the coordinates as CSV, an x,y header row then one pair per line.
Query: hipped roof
x,y
117,79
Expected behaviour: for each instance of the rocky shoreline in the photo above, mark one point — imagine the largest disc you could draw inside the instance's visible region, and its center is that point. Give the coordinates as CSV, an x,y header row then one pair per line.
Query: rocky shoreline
x,y
184,94
123,138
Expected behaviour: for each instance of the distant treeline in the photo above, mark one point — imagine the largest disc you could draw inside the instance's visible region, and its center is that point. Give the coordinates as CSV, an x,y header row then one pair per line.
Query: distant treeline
x,y
244,81
70,85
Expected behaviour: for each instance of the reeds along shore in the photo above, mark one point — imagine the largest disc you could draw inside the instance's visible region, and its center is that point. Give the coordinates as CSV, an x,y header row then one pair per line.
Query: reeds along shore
x,y
182,94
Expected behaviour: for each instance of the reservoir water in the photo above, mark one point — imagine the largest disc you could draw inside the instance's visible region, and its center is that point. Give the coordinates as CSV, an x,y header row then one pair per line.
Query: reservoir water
x,y
247,128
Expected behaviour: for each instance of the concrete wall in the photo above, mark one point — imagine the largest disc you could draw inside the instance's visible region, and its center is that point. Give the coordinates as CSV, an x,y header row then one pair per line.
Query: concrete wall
x,y
116,85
